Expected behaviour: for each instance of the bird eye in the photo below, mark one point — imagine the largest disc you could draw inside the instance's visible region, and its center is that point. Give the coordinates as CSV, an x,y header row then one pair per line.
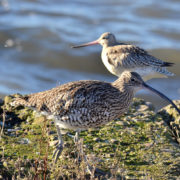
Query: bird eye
x,y
132,79
104,38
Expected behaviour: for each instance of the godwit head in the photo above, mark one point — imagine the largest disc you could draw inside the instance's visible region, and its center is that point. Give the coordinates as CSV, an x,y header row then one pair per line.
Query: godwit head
x,y
106,39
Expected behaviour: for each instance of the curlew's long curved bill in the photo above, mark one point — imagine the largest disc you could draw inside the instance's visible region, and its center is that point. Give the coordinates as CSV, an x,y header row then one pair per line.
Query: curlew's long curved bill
x,y
87,44
161,95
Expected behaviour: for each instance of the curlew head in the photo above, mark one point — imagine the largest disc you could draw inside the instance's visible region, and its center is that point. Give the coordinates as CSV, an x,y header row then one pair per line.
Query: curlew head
x,y
135,82
106,39
131,79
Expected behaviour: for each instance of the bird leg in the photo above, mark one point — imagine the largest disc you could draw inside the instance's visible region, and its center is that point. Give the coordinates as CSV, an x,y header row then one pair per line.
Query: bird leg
x,y
76,142
59,146
79,144
82,154
76,137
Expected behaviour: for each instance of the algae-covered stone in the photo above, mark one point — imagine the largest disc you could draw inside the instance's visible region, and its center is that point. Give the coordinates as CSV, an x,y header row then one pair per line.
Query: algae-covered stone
x,y
171,116
171,110
138,145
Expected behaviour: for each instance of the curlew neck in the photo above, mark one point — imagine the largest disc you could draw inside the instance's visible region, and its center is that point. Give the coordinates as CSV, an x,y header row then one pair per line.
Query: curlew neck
x,y
122,85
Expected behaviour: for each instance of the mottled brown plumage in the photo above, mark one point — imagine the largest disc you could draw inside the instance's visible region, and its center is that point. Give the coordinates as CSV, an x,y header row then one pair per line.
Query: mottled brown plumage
x,y
118,57
86,104
82,104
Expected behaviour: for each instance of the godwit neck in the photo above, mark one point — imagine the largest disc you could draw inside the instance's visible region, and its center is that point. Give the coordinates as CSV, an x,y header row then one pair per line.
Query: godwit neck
x,y
105,40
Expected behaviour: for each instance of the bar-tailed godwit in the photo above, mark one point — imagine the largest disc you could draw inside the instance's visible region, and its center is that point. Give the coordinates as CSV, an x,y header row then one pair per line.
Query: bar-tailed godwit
x,y
118,57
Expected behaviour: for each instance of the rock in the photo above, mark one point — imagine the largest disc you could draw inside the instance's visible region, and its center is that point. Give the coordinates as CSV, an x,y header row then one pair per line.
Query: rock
x,y
7,99
171,110
172,118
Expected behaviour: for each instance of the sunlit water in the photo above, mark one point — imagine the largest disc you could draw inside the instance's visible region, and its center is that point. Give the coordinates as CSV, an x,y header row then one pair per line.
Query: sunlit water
x,y
36,36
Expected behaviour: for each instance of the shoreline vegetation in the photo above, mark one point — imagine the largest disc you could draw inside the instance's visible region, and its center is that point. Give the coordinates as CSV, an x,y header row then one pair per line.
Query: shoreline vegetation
x,y
141,144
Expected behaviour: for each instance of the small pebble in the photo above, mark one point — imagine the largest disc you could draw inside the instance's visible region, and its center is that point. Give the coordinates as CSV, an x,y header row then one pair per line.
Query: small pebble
x,y
13,130
22,168
143,108
24,141
114,141
96,139
5,164
51,132
9,43
106,141
53,143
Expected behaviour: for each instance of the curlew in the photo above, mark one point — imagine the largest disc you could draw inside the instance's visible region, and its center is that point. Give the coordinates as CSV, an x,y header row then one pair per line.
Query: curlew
x,y
86,104
118,57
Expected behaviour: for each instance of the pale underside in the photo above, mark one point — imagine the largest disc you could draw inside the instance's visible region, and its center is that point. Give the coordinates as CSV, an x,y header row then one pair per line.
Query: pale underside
x,y
76,120
118,63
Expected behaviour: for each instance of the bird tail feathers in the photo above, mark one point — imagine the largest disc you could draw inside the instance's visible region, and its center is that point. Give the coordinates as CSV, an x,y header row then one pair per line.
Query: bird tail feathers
x,y
20,101
164,71
167,64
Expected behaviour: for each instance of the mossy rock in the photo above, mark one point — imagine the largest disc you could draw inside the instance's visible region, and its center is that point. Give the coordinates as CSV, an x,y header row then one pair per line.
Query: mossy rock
x,y
171,110
171,116
138,145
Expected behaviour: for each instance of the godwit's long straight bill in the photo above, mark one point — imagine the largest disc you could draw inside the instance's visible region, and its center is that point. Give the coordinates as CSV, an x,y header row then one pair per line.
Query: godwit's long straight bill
x,y
87,44
161,95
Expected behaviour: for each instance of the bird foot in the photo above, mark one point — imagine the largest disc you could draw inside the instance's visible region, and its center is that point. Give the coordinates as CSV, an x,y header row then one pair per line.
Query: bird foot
x,y
89,167
57,152
90,170
76,138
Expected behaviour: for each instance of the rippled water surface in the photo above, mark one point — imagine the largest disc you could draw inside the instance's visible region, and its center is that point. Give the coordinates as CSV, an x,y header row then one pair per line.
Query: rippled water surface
x,y
36,36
